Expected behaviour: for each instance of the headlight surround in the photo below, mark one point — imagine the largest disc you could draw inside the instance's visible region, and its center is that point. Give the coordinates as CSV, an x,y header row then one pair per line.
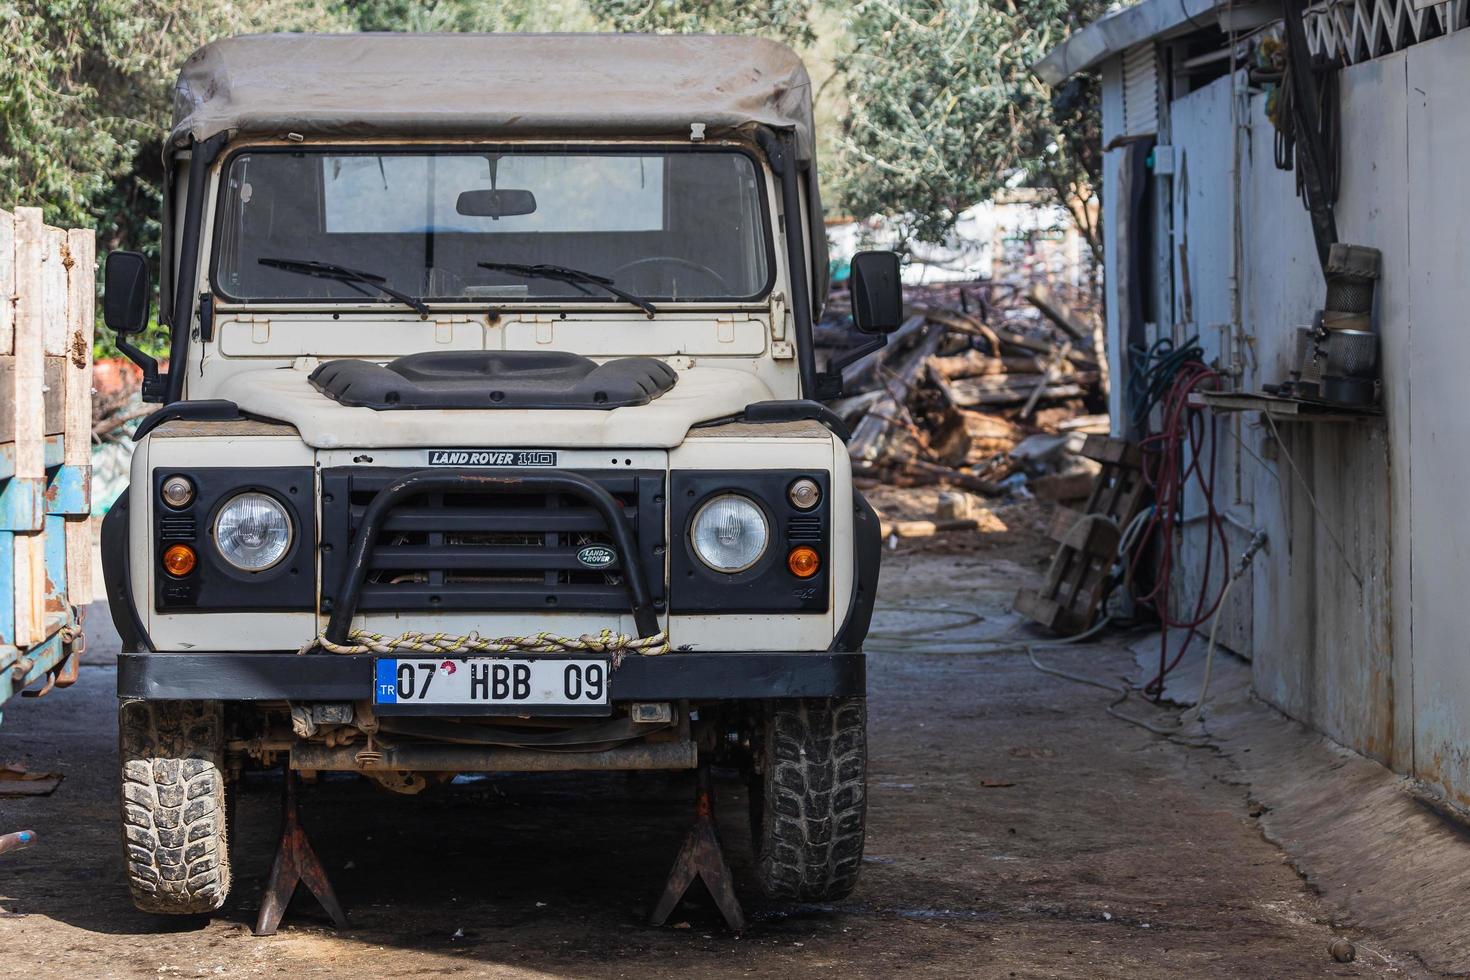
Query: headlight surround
x,y
729,533
253,532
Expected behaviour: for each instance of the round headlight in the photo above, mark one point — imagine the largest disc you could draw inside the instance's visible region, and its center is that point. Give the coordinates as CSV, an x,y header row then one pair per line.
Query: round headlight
x,y
729,533
252,532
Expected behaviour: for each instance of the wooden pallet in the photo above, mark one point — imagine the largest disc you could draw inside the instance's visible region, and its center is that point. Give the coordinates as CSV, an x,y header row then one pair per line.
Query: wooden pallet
x,y
1087,540
47,308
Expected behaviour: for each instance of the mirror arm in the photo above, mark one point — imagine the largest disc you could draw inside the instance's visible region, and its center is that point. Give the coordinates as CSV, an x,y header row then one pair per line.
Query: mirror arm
x,y
829,382
152,383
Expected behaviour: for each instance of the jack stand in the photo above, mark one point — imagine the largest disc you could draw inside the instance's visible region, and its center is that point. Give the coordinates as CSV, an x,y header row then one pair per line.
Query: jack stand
x,y
701,857
295,863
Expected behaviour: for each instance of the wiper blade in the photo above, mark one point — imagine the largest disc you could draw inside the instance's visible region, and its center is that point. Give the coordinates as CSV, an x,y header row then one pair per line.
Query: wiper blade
x,y
331,270
561,273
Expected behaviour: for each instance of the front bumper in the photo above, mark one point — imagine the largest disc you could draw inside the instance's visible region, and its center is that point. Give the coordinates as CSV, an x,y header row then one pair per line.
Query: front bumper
x,y
703,676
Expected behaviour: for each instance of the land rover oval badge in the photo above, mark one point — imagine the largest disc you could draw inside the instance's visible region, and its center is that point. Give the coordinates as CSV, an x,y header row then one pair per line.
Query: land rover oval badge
x,y
597,556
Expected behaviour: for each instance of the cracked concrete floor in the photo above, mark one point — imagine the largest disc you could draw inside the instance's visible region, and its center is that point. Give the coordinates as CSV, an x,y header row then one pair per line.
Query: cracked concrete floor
x,y
1016,830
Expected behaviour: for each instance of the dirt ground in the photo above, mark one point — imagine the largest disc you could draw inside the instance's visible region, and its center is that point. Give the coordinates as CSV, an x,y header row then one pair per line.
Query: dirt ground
x,y
1015,830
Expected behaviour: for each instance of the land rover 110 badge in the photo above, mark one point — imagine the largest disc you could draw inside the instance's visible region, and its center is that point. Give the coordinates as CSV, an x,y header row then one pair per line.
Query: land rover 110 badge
x,y
492,457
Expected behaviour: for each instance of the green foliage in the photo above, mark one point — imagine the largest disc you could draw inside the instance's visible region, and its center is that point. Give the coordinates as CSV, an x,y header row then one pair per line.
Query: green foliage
x,y
786,20
152,341
941,109
86,88
466,15
945,110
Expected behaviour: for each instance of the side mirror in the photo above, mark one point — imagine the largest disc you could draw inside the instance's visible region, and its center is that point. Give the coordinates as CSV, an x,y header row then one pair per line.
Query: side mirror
x,y
877,308
126,296
877,292
496,204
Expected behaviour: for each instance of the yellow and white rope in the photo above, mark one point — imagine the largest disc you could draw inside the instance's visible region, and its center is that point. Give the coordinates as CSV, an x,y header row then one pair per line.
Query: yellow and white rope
x,y
606,641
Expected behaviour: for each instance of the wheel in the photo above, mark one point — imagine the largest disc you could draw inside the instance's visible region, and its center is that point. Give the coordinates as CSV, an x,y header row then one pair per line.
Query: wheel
x,y
173,805
809,798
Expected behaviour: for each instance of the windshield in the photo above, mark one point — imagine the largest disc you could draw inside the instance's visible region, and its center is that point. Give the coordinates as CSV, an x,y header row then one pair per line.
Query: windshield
x,y
670,225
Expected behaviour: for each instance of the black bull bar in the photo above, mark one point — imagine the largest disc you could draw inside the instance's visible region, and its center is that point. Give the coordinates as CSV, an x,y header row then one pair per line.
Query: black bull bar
x,y
359,557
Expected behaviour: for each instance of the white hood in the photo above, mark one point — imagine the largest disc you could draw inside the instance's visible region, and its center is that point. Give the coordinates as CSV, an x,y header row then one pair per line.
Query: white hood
x,y
701,394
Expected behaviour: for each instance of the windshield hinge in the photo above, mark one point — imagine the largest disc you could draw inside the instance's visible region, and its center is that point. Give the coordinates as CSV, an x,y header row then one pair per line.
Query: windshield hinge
x,y
206,317
778,316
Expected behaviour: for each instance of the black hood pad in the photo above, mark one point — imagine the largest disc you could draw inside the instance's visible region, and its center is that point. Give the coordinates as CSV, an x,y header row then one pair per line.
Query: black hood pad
x,y
494,379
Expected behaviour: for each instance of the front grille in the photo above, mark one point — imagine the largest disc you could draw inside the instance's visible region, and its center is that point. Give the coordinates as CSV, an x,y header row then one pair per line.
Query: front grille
x,y
476,551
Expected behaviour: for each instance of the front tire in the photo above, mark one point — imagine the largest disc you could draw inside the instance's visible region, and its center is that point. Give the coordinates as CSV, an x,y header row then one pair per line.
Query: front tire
x,y
173,805
809,798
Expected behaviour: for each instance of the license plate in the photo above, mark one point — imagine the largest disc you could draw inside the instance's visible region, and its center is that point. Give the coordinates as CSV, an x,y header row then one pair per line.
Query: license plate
x,y
492,681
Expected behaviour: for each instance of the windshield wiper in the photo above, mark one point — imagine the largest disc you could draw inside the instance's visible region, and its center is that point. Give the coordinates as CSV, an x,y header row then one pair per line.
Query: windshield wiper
x,y
331,270
561,273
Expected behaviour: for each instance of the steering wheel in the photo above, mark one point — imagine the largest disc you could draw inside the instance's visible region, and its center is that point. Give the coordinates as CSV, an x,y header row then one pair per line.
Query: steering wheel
x,y
672,260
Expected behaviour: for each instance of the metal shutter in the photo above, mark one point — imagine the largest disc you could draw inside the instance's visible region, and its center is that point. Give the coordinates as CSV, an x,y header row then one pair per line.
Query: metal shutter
x,y
1140,91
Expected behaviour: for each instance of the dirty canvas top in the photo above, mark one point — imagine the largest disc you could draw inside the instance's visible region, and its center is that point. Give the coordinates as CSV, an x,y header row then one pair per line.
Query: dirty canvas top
x,y
365,85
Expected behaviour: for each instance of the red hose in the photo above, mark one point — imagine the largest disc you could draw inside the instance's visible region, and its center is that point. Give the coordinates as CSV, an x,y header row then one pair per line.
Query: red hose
x,y
1172,458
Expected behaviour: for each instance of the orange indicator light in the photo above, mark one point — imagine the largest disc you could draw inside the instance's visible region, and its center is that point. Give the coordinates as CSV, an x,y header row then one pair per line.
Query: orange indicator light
x,y
803,562
179,560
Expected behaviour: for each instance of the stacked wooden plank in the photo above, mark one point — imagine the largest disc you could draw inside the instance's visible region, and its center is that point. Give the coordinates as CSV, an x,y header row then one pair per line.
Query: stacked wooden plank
x,y
47,310
973,365
1087,541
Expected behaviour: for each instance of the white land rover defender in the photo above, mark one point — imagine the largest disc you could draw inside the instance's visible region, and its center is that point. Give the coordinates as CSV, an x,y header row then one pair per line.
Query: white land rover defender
x,y
491,438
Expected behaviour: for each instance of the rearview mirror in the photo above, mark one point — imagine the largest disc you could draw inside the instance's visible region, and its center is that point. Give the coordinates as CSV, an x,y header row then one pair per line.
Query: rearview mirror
x,y
127,293
496,203
877,292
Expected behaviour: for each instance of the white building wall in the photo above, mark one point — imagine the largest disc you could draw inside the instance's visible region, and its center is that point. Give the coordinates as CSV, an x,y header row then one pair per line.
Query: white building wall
x,y
1436,441
1359,621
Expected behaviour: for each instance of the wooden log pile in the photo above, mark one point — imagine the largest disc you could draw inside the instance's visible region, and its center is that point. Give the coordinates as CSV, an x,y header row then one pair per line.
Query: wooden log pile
x,y
974,370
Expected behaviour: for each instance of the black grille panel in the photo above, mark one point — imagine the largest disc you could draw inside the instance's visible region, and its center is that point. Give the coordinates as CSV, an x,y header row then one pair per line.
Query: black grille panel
x,y
805,530
176,529
478,551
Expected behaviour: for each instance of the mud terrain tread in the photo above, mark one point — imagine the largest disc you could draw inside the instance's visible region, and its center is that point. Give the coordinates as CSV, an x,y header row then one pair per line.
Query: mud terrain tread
x,y
173,805
813,799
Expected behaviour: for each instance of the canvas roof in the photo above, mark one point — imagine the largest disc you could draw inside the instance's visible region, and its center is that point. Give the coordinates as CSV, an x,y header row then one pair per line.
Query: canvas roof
x,y
584,85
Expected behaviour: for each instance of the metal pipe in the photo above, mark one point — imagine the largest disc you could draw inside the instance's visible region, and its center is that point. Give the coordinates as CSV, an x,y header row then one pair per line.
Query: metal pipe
x,y
476,758
781,152
183,310
200,160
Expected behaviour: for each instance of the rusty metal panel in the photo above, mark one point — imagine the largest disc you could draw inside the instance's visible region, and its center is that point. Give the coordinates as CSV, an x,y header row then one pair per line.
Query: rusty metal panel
x,y
1374,198
1324,651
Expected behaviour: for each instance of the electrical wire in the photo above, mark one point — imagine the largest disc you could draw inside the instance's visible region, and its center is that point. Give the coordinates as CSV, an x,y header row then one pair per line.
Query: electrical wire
x,y
1257,542
1311,497
1014,640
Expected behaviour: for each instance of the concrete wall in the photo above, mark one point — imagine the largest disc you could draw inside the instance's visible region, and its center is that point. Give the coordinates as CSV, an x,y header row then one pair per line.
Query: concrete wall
x,y
1358,622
